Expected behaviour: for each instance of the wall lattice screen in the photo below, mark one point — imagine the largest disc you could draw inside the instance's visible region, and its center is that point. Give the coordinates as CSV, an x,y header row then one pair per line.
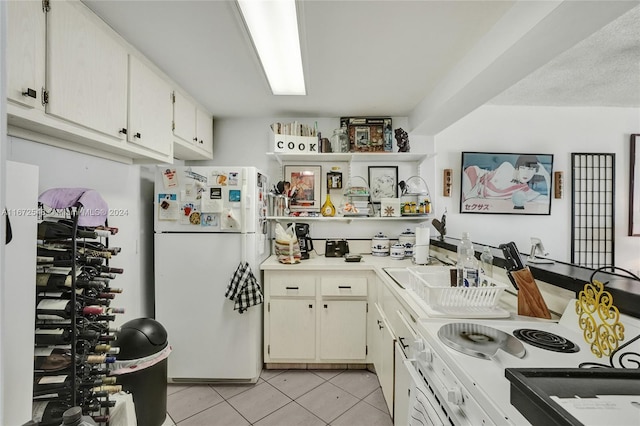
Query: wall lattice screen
x,y
592,221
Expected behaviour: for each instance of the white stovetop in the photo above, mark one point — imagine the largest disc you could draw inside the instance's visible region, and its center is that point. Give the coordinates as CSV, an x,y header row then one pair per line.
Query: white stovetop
x,y
486,380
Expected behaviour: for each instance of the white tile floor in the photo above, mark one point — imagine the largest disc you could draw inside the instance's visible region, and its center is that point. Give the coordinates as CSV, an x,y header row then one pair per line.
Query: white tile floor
x,y
283,398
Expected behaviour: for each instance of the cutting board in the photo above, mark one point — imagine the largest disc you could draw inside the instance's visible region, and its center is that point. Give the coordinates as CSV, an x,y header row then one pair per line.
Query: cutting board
x,y
530,301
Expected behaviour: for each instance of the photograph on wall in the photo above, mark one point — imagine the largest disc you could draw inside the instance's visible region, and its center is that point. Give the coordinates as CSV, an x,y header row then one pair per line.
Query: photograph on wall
x,y
305,187
506,183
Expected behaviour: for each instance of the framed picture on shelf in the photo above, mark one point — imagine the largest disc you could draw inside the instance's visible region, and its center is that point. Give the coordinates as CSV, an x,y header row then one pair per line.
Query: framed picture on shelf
x,y
506,183
305,187
383,182
369,134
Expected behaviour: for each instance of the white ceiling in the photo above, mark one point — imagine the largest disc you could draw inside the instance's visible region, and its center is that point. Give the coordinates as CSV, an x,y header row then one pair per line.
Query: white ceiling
x,y
432,61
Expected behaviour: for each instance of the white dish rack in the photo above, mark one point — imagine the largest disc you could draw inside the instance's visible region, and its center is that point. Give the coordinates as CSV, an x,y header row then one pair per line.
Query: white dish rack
x,y
432,290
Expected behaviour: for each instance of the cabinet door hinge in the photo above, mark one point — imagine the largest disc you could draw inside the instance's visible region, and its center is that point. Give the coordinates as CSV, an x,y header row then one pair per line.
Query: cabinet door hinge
x,y
367,306
173,97
269,307
44,97
366,349
173,125
46,6
269,349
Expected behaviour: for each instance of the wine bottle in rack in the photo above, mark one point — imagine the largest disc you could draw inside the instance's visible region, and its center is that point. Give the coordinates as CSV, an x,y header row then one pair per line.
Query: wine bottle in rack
x,y
51,359
82,246
110,230
56,334
46,254
49,230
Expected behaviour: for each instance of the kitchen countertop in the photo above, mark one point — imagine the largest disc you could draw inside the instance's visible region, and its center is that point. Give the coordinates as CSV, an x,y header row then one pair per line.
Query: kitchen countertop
x,y
368,263
376,264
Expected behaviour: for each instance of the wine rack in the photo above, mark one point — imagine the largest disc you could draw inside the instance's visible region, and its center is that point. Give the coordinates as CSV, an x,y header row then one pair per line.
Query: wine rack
x,y
73,316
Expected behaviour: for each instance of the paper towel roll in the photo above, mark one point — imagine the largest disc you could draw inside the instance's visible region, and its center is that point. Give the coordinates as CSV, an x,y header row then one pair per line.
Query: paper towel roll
x,y
422,236
421,249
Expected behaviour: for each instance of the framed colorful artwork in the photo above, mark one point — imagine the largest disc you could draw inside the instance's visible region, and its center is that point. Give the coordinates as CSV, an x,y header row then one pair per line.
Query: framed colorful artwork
x,y
506,183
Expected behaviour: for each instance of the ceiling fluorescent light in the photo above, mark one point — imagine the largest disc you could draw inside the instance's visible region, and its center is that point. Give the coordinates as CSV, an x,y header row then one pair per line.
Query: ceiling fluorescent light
x,y
273,26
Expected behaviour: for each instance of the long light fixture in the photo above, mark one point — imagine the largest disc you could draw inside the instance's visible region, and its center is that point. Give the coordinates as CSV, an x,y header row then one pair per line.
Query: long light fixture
x,y
273,25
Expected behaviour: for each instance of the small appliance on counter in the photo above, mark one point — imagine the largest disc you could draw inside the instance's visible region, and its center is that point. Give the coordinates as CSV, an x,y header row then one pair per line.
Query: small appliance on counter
x,y
336,248
304,239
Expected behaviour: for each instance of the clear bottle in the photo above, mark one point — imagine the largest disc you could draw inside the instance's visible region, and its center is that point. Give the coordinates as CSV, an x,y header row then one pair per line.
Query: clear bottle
x,y
340,140
467,265
486,262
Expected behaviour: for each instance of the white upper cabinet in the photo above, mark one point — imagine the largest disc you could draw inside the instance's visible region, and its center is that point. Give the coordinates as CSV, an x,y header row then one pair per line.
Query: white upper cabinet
x,y
150,109
25,53
193,130
103,97
86,71
204,131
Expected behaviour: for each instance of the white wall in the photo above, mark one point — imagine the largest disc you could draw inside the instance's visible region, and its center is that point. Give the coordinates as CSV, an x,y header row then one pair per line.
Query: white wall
x,y
559,131
122,187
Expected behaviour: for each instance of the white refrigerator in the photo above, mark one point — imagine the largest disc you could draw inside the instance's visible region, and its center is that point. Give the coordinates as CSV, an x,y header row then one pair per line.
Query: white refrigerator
x,y
207,221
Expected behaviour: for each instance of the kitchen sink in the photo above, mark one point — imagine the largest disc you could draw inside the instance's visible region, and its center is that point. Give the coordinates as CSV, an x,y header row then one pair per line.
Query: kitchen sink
x,y
400,275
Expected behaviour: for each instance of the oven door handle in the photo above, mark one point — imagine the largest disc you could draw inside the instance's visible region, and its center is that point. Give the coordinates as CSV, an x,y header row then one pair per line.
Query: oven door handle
x,y
421,408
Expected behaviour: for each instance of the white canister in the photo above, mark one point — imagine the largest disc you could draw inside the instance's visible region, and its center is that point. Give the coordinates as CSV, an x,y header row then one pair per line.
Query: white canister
x,y
408,240
397,251
380,245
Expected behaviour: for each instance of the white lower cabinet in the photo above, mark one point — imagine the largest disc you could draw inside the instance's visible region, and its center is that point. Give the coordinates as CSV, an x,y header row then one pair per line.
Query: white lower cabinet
x,y
315,317
292,326
384,355
343,330
402,388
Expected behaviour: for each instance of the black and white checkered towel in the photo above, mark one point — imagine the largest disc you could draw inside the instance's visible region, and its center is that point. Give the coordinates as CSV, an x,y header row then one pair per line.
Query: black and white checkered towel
x,y
244,289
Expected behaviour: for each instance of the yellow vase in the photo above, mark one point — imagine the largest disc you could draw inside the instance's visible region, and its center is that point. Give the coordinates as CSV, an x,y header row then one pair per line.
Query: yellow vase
x,y
328,209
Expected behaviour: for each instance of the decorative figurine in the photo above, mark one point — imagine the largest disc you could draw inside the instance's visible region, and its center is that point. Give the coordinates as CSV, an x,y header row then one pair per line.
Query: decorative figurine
x,y
441,225
402,139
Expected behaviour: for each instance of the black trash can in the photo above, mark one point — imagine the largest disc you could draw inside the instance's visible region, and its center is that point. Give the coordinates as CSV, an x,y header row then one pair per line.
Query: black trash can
x,y
142,368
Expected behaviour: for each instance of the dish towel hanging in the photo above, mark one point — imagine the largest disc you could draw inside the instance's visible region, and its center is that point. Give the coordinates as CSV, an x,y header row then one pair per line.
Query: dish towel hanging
x,y
244,289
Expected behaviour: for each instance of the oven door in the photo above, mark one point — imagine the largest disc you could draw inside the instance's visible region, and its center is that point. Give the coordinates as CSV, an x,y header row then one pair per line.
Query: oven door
x,y
423,408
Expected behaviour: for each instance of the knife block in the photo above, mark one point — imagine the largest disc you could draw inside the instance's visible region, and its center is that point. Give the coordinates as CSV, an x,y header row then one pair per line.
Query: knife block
x,y
530,301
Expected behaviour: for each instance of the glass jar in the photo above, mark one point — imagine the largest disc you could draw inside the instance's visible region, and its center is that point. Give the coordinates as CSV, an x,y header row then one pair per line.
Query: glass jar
x,y
340,140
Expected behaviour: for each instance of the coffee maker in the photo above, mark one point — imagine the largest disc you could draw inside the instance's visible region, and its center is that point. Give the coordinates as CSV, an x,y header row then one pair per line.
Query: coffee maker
x,y
305,241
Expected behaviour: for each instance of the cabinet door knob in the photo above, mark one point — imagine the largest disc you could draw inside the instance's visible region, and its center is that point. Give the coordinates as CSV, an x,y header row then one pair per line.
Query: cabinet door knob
x,y
123,131
195,139
310,306
137,135
325,306
29,93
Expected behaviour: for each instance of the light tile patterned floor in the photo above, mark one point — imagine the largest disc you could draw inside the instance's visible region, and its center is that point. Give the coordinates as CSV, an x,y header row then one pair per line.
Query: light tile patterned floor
x,y
283,398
